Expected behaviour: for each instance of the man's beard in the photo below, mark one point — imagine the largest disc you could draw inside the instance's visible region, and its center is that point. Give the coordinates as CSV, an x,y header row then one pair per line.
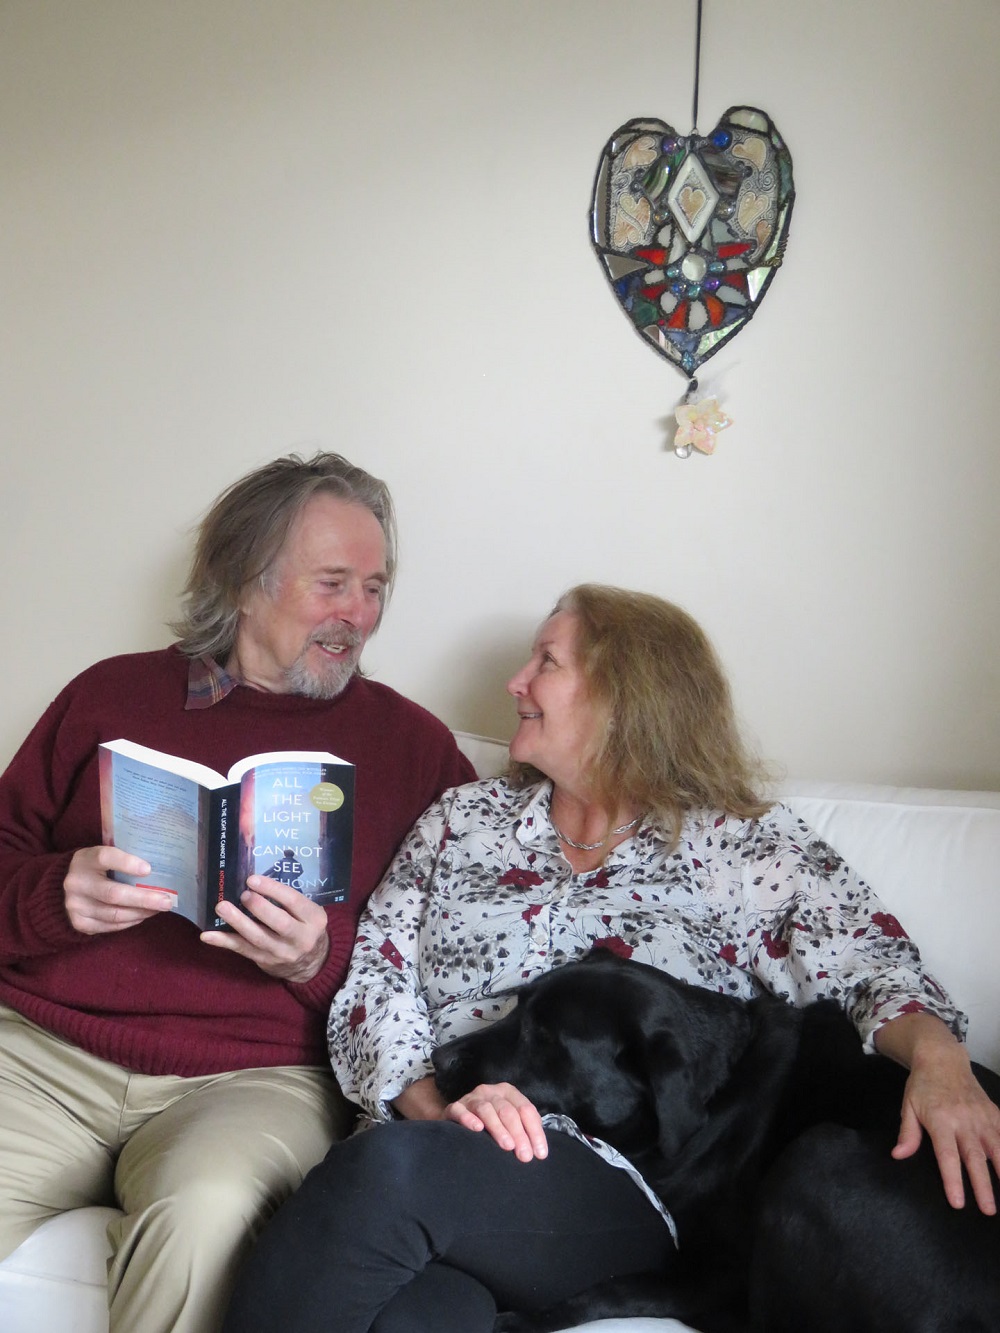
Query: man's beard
x,y
333,674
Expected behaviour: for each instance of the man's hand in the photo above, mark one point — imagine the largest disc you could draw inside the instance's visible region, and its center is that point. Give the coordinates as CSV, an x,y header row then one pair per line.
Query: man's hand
x,y
96,904
286,935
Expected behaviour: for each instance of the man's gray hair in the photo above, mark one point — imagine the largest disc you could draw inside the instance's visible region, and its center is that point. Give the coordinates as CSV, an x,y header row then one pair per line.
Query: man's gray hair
x,y
242,535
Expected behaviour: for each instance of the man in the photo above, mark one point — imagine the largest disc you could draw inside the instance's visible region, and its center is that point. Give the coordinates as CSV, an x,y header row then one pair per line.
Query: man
x,y
185,1076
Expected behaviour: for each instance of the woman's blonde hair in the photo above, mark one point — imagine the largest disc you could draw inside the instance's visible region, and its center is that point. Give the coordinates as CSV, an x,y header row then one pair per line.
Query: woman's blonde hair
x,y
671,742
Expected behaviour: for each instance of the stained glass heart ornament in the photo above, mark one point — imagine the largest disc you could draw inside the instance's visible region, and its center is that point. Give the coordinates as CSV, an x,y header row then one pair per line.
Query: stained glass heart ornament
x,y
691,229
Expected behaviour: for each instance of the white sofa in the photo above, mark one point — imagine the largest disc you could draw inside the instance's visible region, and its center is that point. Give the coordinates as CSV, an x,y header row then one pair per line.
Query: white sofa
x,y
932,856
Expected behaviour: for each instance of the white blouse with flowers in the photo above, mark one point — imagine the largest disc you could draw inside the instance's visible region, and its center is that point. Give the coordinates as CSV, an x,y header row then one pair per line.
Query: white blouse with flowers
x,y
480,899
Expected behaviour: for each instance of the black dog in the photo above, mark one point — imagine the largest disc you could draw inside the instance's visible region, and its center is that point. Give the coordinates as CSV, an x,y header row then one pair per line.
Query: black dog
x,y
767,1132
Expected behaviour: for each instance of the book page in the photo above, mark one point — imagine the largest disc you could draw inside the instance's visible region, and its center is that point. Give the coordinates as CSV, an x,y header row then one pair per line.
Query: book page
x,y
243,766
173,763
161,817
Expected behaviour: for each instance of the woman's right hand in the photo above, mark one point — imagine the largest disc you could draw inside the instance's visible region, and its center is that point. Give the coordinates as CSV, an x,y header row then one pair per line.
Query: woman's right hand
x,y
506,1115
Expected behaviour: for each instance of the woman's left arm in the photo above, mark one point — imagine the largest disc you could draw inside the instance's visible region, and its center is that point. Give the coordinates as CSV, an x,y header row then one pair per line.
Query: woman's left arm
x,y
943,1097
818,930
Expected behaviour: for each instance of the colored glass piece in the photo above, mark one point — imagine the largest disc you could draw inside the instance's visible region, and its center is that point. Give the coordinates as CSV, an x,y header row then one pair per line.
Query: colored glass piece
x,y
678,320
644,312
692,228
715,309
692,197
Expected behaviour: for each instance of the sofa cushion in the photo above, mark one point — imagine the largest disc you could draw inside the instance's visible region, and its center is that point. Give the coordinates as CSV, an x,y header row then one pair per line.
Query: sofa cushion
x,y
70,1247
57,1279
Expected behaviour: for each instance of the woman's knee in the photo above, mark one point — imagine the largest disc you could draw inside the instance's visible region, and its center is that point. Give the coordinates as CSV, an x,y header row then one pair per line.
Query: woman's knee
x,y
402,1171
406,1153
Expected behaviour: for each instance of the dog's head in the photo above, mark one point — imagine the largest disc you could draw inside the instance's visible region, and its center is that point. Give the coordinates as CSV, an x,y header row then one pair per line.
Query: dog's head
x,y
630,1053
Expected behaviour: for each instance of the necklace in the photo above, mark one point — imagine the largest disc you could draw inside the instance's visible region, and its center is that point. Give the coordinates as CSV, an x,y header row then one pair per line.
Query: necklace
x,y
593,846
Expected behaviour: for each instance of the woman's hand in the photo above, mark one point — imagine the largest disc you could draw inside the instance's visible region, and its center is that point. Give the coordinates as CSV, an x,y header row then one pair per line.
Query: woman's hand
x,y
506,1115
498,1108
943,1097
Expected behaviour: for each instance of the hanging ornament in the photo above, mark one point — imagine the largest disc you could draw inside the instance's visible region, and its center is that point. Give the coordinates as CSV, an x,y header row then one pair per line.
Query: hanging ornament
x,y
698,424
690,230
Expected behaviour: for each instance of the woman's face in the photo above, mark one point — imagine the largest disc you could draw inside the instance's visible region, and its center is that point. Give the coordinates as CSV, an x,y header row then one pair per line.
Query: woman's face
x,y
558,722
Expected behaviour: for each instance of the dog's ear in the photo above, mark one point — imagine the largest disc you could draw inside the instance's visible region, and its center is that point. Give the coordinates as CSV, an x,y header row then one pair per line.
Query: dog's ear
x,y
688,1062
677,1097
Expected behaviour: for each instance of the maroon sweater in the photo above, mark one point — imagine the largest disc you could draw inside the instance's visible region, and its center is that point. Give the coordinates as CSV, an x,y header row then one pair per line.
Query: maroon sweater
x,y
153,998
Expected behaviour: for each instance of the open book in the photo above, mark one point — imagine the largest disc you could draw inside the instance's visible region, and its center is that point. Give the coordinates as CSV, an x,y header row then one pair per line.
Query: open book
x,y
288,815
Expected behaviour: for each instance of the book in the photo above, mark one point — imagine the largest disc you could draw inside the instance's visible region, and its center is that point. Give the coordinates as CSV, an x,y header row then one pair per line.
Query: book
x,y
288,814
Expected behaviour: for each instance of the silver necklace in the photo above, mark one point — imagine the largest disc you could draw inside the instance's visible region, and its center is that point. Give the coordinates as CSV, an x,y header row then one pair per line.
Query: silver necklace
x,y
593,846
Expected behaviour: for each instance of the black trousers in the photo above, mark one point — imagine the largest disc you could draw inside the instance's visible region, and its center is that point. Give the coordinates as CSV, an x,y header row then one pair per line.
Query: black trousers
x,y
427,1227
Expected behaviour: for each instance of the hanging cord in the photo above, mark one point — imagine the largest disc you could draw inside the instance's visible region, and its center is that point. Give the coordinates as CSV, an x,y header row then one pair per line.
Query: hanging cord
x,y
697,70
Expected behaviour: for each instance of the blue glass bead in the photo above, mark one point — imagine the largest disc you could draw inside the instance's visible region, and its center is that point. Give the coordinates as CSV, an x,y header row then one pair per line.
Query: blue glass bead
x,y
722,138
712,284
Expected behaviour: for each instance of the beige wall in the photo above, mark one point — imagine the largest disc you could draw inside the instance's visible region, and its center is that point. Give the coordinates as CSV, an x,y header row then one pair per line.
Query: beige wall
x,y
230,228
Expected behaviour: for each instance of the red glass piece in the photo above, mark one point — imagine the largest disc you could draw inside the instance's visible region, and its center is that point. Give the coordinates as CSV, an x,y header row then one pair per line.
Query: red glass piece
x,y
678,320
734,248
654,290
654,255
715,309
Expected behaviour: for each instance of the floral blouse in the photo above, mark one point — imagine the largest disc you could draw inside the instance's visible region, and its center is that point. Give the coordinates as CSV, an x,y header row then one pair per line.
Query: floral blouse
x,y
480,899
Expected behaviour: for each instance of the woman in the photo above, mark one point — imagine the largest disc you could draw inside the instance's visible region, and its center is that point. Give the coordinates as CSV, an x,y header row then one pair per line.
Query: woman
x,y
630,818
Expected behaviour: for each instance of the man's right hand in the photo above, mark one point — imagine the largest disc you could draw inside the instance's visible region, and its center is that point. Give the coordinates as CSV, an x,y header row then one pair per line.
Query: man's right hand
x,y
96,904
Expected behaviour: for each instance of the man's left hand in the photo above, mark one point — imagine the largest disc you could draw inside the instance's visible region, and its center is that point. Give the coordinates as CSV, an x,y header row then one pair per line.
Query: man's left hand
x,y
285,935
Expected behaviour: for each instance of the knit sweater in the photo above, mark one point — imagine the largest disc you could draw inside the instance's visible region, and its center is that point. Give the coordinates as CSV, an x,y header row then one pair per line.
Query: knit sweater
x,y
153,998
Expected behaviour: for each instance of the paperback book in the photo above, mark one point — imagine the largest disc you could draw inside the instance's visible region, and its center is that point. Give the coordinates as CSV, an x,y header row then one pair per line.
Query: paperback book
x,y
286,814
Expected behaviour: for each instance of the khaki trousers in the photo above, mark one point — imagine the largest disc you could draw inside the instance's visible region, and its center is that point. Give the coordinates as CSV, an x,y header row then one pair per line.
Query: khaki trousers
x,y
196,1164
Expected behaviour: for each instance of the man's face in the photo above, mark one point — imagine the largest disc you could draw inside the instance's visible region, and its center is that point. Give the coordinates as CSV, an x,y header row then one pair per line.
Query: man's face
x,y
306,635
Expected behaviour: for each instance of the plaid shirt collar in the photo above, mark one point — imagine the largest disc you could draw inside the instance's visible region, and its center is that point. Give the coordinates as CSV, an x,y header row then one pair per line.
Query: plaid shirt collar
x,y
208,682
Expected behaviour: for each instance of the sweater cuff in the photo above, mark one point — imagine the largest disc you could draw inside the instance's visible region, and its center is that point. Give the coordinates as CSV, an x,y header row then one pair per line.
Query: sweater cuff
x,y
318,993
40,907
